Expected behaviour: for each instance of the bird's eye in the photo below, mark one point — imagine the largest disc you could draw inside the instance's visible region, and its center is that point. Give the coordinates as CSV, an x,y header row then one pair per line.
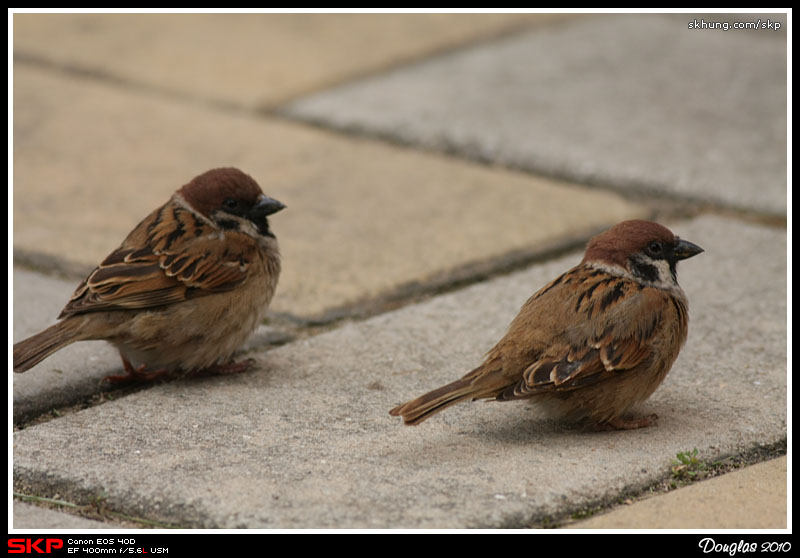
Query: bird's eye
x,y
230,203
654,248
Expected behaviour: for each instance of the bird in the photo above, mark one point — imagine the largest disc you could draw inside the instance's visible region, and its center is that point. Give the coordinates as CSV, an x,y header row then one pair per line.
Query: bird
x,y
184,290
591,344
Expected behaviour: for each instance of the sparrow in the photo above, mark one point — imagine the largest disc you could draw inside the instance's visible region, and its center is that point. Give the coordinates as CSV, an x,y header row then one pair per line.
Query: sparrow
x,y
592,343
184,290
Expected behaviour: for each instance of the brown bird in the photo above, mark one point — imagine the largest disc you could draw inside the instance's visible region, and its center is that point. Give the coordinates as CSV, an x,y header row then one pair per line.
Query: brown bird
x,y
184,290
593,342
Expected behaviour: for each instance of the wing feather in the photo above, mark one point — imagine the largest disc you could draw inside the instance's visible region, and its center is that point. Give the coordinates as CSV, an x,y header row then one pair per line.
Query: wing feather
x,y
618,339
171,255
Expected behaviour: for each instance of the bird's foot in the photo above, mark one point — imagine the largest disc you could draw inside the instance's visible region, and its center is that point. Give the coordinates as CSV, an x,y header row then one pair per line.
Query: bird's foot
x,y
136,374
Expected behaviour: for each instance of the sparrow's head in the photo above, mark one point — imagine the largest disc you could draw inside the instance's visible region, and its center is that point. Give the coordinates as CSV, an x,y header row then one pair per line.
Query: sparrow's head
x,y
232,200
646,250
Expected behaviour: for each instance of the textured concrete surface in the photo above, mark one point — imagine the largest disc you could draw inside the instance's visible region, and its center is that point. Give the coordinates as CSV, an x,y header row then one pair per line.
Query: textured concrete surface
x,y
112,113
363,219
637,103
725,502
248,60
305,440
29,516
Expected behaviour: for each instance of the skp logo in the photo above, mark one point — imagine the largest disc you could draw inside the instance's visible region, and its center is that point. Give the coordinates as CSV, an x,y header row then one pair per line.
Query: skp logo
x,y
29,546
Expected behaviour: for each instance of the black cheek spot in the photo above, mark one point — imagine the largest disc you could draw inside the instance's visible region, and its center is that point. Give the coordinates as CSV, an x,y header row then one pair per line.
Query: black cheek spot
x,y
645,271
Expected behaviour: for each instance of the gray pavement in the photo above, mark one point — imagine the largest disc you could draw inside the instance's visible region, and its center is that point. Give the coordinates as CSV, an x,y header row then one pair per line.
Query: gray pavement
x,y
639,103
512,139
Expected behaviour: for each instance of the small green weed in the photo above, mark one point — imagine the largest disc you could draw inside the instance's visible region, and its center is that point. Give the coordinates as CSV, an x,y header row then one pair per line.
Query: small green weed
x,y
687,466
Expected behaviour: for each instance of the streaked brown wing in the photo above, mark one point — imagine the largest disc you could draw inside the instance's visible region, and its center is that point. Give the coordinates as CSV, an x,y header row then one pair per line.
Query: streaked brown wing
x,y
617,339
170,256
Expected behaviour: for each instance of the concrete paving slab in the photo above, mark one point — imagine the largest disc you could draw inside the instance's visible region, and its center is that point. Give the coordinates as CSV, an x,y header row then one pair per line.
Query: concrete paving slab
x,y
248,60
364,219
639,103
726,502
306,441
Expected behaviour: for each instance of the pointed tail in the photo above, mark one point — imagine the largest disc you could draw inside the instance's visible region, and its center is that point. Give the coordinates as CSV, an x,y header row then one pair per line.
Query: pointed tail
x,y
424,406
486,381
33,350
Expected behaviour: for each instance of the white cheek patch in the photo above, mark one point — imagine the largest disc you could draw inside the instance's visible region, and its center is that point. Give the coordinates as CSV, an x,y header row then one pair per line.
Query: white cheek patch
x,y
664,272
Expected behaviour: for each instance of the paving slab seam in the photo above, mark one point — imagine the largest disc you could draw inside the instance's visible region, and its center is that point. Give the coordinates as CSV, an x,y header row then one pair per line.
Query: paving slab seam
x,y
114,81
94,511
749,456
634,492
39,487
524,26
268,109
106,393
85,503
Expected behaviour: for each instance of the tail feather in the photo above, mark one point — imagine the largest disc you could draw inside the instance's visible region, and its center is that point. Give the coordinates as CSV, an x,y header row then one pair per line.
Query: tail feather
x,y
478,384
33,350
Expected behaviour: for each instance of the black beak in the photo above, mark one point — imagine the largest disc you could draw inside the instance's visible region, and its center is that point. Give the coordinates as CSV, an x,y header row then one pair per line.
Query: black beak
x,y
685,249
266,206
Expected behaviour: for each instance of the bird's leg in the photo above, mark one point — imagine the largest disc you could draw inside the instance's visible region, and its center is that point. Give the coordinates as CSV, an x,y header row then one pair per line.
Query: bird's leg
x,y
139,374
620,423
